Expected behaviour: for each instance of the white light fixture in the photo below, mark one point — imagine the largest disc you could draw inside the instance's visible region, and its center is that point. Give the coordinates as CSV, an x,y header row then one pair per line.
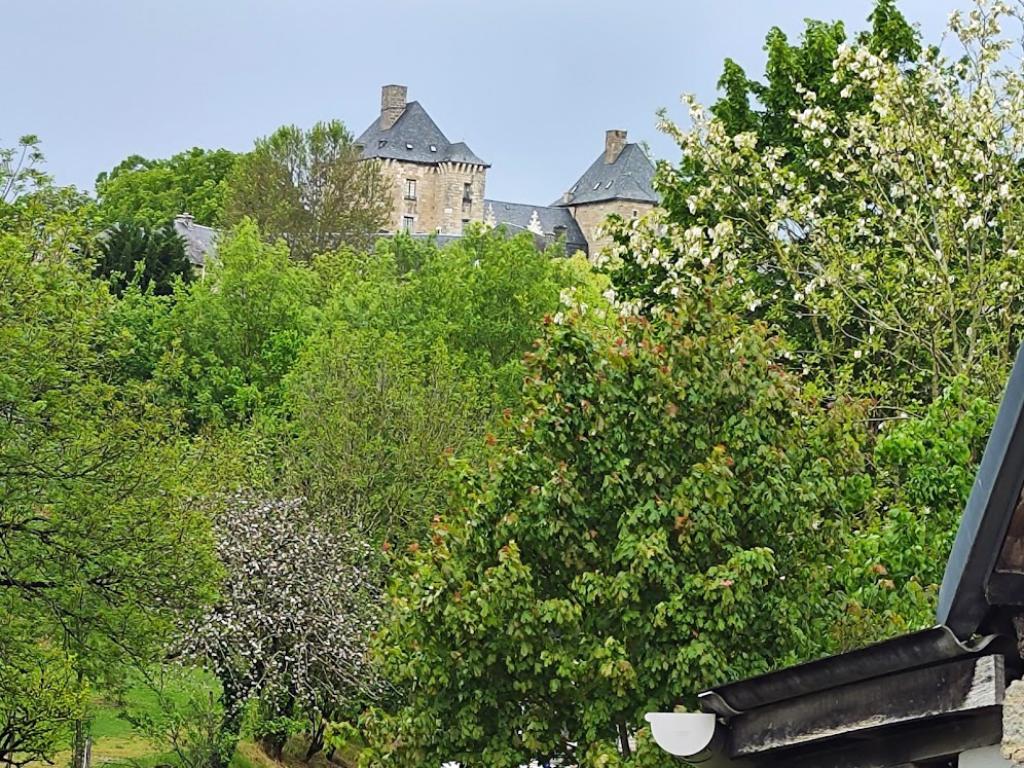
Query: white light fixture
x,y
683,734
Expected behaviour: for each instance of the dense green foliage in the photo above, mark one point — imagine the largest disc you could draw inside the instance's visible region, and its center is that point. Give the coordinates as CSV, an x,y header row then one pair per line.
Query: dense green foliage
x,y
151,258
745,441
613,550
153,192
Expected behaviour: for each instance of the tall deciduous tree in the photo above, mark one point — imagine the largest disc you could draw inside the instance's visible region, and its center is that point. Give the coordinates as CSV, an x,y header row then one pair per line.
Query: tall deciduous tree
x,y
100,547
153,192
40,699
310,188
661,517
238,331
884,239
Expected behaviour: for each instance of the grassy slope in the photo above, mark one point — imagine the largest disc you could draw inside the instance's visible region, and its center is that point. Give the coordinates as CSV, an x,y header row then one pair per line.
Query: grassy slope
x,y
116,742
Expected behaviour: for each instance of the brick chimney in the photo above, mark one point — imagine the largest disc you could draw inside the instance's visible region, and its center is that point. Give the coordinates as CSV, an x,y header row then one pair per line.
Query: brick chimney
x,y
614,141
392,104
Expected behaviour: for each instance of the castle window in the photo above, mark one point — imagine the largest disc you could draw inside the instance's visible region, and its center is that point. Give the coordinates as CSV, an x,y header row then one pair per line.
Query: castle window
x,y
410,189
407,222
467,192
635,213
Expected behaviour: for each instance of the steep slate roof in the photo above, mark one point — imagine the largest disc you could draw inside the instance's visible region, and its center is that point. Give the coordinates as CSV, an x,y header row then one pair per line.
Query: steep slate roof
x,y
414,138
630,177
517,217
199,240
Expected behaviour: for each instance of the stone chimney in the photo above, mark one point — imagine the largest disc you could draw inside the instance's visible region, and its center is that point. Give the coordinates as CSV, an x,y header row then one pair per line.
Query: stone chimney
x,y
614,141
392,104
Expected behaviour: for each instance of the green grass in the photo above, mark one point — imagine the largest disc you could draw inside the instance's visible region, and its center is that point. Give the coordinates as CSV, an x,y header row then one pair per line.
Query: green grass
x,y
115,739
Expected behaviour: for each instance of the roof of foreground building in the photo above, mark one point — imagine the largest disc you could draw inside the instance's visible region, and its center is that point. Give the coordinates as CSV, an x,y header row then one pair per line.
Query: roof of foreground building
x,y
922,697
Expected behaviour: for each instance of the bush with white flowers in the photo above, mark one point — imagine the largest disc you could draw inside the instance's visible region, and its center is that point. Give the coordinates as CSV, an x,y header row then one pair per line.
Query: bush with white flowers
x,y
887,242
296,609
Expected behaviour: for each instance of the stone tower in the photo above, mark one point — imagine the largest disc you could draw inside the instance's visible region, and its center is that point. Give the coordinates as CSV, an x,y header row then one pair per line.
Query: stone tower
x,y
618,181
437,186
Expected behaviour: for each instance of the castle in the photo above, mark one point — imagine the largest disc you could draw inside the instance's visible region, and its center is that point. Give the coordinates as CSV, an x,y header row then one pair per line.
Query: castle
x,y
439,187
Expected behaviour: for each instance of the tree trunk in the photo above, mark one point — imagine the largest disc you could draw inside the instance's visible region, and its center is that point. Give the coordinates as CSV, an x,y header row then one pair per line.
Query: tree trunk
x,y
623,739
81,748
316,738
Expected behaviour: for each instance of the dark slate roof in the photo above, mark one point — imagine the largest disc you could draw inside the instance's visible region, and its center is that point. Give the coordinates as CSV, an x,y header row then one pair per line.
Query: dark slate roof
x,y
200,241
630,177
414,138
517,217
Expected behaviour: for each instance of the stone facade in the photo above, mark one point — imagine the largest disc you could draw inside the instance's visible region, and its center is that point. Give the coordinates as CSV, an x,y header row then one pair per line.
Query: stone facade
x,y
434,199
592,216
438,187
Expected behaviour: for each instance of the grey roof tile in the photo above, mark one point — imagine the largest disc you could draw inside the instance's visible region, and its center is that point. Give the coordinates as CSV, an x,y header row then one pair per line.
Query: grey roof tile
x,y
200,241
630,177
517,217
414,138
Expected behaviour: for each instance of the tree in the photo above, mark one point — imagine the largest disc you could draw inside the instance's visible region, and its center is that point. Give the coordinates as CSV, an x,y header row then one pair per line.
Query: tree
x,y
291,626
51,221
19,169
153,192
791,71
101,548
371,417
924,470
311,189
419,348
659,519
152,258
237,332
891,263
40,699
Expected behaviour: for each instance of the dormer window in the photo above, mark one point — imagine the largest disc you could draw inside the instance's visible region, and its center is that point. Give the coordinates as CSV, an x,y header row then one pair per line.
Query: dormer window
x,y
608,185
598,185
382,143
408,146
433,147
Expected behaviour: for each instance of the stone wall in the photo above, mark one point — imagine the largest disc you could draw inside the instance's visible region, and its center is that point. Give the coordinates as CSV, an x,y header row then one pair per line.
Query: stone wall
x,y
438,206
591,218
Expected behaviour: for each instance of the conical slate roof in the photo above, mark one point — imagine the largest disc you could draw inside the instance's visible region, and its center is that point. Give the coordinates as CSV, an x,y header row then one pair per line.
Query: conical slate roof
x,y
414,138
629,177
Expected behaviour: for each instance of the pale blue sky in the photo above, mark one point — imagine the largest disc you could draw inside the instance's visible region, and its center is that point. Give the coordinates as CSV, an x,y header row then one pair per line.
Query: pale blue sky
x,y
529,85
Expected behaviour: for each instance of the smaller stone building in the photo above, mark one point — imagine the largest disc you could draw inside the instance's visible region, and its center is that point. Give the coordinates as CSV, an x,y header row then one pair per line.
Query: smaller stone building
x,y
619,181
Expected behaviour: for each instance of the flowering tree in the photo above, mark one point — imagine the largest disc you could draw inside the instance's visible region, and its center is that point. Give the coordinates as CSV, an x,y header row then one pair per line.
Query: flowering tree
x,y
295,612
885,242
